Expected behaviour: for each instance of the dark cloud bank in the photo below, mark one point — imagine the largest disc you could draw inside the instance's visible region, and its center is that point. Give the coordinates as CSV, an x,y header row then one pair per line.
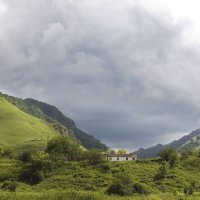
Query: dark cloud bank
x,y
125,73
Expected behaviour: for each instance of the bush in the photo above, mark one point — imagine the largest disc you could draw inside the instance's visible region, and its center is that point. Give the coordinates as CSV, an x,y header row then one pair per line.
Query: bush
x,y
94,157
64,146
162,172
9,186
122,185
140,189
25,156
105,167
37,177
38,164
31,176
191,162
189,189
42,162
6,152
1,150
169,155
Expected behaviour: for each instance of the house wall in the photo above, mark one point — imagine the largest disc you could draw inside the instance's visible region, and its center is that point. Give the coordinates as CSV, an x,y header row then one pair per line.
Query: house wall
x,y
118,159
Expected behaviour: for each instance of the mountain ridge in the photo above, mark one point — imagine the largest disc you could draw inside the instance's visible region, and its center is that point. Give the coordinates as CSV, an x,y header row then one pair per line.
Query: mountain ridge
x,y
188,142
53,115
19,130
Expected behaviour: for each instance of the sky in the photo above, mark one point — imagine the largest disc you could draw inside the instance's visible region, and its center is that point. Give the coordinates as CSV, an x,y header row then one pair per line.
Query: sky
x,y
126,71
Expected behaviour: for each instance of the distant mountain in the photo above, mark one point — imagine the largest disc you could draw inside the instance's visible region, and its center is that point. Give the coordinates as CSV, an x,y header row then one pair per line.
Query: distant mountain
x,y
53,115
188,142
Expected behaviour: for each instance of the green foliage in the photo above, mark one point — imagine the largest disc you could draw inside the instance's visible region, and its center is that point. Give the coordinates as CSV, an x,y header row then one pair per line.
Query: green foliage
x,y
5,152
42,162
59,122
31,176
1,150
122,185
122,151
140,188
64,146
185,154
8,153
162,172
91,179
26,156
170,156
38,165
87,140
45,173
189,189
93,156
105,167
9,186
19,130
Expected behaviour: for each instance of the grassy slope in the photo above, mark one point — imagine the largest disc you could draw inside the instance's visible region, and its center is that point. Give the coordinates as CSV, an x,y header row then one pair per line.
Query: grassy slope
x,y
18,129
51,114
79,181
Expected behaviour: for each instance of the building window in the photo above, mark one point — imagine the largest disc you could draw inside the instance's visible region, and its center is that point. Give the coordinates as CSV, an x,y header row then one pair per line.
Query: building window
x,y
117,158
126,158
133,158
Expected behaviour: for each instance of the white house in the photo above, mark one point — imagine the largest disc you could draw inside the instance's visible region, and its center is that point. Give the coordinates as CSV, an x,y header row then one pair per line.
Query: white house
x,y
121,157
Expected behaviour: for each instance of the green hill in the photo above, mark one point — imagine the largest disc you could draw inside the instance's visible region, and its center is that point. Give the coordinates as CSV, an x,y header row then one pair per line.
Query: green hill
x,y
87,140
54,115
18,129
78,181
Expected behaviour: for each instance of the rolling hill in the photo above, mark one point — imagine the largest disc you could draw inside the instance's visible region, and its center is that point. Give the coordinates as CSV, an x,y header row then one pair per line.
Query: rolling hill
x,y
190,142
52,115
19,129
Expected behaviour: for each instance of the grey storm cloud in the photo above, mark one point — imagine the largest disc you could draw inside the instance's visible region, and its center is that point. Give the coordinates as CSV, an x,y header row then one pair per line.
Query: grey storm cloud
x,y
124,72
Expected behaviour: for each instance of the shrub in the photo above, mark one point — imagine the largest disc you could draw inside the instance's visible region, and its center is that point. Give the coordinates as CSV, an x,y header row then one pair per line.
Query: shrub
x,y
94,157
9,186
31,176
42,162
122,185
169,155
105,167
25,156
162,172
1,150
38,164
37,177
191,162
122,151
7,153
140,189
64,146
189,189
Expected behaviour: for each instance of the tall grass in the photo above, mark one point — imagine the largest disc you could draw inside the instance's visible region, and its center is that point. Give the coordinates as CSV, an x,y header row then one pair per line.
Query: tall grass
x,y
74,195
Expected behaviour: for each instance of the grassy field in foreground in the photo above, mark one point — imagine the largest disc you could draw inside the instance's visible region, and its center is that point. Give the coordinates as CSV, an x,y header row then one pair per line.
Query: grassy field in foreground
x,y
82,181
20,130
74,195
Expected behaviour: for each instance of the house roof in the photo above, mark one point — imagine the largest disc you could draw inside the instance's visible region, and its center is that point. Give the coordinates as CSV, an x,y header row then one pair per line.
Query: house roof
x,y
121,155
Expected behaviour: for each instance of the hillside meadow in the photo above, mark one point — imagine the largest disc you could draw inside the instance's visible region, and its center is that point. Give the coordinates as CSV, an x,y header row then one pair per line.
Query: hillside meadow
x,y
19,130
85,181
